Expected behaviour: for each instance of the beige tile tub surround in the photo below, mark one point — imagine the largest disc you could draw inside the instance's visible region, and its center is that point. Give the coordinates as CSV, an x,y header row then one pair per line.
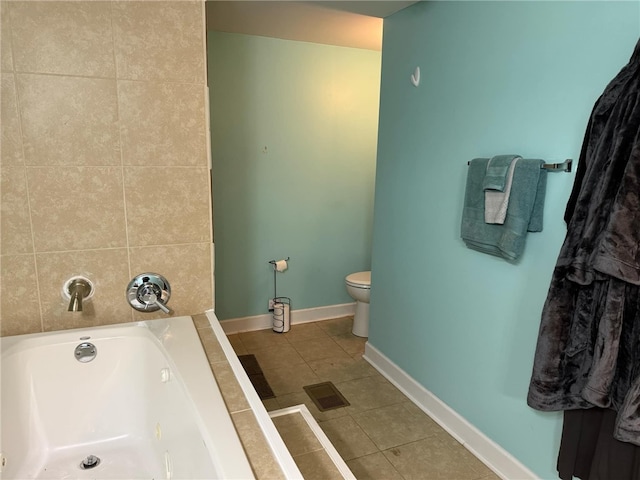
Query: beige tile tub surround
x,y
15,224
103,162
168,205
68,38
76,208
6,56
19,308
159,41
11,147
151,130
68,120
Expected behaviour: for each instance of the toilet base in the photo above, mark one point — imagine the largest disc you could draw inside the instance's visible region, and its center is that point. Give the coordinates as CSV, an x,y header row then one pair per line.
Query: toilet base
x,y
361,320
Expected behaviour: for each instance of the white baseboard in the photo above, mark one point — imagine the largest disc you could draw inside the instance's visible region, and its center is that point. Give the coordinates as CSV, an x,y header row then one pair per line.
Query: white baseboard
x,y
486,450
262,322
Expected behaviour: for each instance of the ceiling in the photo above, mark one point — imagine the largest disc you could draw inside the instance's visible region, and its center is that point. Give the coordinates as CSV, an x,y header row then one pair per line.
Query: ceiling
x,y
346,23
375,8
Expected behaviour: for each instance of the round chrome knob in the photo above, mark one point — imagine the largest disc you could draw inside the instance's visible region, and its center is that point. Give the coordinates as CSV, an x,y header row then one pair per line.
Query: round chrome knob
x,y
149,292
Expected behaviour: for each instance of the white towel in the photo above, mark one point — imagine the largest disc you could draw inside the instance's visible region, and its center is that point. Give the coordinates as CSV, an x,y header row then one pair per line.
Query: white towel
x,y
496,203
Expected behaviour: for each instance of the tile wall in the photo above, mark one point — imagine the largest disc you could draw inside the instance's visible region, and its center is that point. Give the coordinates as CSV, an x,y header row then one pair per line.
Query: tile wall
x,y
104,160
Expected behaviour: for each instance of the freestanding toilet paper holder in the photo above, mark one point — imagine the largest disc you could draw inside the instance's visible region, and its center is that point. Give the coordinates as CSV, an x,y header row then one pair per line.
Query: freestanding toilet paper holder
x,y
280,306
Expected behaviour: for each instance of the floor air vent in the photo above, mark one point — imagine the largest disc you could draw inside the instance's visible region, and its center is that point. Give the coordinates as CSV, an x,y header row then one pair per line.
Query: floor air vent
x,y
326,396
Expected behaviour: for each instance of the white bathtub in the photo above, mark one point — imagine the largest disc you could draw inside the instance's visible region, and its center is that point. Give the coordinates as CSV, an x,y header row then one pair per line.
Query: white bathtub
x,y
146,405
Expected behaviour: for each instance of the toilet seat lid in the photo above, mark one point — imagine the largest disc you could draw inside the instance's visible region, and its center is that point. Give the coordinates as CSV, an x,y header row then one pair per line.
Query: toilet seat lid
x,y
359,279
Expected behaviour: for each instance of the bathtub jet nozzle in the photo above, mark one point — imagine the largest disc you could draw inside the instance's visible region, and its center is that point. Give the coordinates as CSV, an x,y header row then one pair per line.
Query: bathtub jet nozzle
x,y
78,289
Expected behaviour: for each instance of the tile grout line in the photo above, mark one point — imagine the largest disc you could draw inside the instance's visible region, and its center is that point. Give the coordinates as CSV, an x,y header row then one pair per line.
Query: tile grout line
x,y
120,148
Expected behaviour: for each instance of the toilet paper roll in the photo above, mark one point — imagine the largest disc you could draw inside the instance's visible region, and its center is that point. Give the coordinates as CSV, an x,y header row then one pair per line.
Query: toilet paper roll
x,y
281,265
281,317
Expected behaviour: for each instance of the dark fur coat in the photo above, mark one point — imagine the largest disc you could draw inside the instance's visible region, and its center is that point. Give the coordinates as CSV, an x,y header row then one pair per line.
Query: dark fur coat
x,y
588,351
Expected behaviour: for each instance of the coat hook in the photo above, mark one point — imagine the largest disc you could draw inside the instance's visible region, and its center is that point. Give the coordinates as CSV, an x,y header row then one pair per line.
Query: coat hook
x,y
415,77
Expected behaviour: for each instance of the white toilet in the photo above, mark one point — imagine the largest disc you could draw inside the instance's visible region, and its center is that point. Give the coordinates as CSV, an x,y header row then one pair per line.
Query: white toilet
x,y
359,287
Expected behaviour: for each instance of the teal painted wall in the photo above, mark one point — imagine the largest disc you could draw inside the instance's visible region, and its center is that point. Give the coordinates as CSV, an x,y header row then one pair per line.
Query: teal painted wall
x,y
294,134
497,77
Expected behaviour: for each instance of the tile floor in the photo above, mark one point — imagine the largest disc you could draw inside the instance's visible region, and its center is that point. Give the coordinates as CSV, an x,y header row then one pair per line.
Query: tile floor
x,y
381,435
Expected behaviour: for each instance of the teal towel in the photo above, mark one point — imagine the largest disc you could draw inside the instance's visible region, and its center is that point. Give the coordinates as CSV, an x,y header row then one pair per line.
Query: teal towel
x,y
495,177
525,211
537,213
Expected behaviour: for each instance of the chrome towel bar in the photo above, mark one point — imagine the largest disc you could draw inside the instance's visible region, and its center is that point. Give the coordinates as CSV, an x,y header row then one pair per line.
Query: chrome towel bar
x,y
556,167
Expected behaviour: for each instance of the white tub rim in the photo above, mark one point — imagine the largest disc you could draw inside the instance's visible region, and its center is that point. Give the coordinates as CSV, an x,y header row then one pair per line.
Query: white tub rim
x,y
228,456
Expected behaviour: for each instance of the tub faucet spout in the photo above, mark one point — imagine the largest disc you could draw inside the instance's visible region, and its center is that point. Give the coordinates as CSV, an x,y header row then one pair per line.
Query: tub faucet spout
x,y
78,290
